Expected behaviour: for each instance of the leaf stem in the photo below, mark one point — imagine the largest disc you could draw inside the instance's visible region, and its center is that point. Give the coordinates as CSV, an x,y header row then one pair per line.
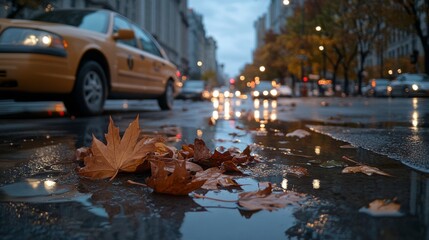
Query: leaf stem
x,y
116,173
351,160
210,198
137,183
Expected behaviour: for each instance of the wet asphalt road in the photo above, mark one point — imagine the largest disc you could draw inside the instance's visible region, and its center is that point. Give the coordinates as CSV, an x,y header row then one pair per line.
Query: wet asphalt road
x,y
42,198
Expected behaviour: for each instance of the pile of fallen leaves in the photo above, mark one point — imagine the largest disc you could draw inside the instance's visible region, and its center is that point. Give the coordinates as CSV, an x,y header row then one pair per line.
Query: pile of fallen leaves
x,y
173,171
182,171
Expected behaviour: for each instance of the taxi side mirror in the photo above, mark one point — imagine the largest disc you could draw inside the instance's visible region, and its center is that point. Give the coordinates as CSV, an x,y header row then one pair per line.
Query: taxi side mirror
x,y
124,34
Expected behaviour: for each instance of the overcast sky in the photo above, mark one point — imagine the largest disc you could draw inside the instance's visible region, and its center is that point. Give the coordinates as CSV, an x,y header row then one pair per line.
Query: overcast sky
x,y
230,23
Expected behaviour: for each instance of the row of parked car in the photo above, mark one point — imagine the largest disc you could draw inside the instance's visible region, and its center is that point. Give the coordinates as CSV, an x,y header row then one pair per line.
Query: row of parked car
x,y
405,85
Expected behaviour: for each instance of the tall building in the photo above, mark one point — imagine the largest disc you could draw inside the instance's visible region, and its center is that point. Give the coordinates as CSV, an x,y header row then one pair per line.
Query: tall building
x,y
202,52
196,44
275,19
260,26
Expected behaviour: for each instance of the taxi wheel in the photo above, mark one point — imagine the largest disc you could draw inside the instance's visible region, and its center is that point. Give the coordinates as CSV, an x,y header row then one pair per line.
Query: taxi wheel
x,y
89,94
165,102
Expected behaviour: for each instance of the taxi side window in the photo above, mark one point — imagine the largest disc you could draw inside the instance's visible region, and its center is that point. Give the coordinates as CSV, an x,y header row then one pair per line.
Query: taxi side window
x,y
146,42
121,23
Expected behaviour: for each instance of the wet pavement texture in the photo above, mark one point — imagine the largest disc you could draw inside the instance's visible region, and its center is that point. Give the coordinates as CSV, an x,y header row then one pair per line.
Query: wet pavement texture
x,y
41,197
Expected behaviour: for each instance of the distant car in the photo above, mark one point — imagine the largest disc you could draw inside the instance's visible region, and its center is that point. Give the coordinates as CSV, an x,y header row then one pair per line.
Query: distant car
x,y
376,88
409,85
265,89
82,57
194,90
285,91
222,92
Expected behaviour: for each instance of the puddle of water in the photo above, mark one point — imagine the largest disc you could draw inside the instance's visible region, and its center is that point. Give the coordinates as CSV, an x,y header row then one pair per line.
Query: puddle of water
x,y
33,188
99,209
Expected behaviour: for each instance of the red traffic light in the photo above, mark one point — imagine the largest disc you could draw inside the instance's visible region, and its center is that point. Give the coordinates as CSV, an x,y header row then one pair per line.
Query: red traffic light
x,y
305,79
232,81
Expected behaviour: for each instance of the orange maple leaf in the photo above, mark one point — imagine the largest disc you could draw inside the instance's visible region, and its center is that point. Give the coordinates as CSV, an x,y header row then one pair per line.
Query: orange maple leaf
x,y
180,182
125,154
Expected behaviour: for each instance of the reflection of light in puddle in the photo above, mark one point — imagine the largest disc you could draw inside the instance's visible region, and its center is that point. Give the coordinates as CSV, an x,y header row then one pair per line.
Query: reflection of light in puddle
x,y
215,103
415,120
199,133
316,183
274,104
415,103
266,113
256,103
125,104
317,150
215,115
227,110
318,224
49,184
33,188
273,116
266,103
257,115
284,184
33,184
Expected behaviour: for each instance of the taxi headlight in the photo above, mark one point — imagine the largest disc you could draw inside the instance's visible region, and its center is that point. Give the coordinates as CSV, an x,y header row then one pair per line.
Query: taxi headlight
x,y
31,37
415,87
265,93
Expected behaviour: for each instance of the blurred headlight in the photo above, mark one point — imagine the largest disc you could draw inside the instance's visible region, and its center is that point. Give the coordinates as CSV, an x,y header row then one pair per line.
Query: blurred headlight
x,y
255,93
389,88
215,93
265,93
273,92
31,37
237,93
227,94
415,87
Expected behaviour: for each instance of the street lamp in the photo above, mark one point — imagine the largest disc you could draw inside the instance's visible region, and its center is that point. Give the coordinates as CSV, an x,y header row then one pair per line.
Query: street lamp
x,y
262,68
199,63
318,28
286,2
322,49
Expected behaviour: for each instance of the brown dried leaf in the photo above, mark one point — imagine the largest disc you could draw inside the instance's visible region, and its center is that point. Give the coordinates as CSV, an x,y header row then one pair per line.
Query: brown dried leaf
x,y
266,200
125,154
180,182
299,133
201,152
365,169
296,171
191,167
203,156
82,152
230,166
187,151
214,178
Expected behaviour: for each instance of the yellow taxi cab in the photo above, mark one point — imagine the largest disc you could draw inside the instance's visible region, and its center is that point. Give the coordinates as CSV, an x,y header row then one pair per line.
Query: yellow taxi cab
x,y
83,57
